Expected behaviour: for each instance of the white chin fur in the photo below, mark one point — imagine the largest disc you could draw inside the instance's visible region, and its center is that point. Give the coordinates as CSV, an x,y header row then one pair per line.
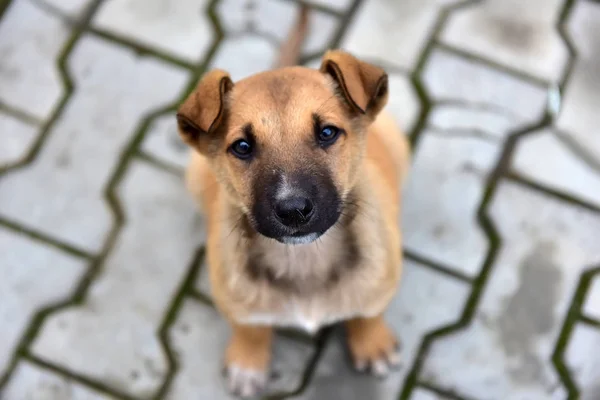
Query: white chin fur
x,y
306,239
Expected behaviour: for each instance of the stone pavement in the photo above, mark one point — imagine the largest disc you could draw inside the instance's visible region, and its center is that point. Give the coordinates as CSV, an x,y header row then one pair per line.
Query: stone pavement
x,y
103,292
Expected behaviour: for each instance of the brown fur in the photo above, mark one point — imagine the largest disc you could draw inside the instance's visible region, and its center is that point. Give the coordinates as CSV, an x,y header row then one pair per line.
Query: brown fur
x,y
349,273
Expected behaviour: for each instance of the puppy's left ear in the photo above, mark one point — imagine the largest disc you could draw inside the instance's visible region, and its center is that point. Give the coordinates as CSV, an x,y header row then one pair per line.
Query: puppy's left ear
x,y
364,86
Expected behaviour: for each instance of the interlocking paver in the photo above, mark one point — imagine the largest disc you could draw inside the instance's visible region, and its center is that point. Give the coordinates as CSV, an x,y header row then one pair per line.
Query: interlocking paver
x,y
29,76
393,31
162,141
532,161
32,383
505,352
117,323
592,304
257,52
579,117
200,351
258,16
16,137
33,276
460,146
517,34
180,28
62,192
582,359
425,301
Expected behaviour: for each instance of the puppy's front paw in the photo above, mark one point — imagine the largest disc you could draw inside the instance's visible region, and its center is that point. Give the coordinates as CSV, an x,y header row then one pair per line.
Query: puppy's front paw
x,y
373,346
245,382
247,361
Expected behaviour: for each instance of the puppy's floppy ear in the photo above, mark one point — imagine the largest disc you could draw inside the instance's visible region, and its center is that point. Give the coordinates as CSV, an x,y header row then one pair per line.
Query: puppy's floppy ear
x,y
363,85
201,114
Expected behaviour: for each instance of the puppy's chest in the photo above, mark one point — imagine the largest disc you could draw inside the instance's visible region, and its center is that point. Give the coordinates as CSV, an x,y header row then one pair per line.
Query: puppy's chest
x,y
306,286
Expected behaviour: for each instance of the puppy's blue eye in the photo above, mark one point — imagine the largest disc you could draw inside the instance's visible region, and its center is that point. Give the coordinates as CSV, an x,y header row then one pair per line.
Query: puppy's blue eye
x,y
241,149
328,134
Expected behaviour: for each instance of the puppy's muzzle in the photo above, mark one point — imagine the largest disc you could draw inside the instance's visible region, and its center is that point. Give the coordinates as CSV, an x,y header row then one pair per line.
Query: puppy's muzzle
x,y
294,211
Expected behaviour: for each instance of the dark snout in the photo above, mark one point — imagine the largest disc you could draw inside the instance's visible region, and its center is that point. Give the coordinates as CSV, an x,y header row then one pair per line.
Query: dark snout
x,y
295,208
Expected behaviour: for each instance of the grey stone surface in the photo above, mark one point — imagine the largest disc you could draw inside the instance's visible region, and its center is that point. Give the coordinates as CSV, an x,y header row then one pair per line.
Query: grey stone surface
x,y
273,19
117,324
62,191
29,76
505,352
16,137
517,34
162,141
592,304
566,172
33,276
579,117
136,304
393,31
181,28
33,383
476,110
200,352
582,359
425,301
257,52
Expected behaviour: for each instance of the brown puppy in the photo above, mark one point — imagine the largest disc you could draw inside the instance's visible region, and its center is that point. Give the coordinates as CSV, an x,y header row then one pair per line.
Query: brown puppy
x,y
299,173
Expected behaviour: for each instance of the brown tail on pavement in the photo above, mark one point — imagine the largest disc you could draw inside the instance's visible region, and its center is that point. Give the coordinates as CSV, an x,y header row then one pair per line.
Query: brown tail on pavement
x,y
289,52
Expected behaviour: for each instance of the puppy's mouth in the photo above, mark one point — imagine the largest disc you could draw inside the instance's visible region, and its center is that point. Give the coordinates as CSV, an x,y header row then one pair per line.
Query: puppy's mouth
x,y
299,238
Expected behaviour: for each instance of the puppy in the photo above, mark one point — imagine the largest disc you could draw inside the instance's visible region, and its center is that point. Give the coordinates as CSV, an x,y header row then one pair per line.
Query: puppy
x,y
298,173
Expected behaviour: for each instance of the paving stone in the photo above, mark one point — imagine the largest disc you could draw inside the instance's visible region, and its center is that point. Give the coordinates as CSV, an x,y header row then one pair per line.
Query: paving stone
x,y
456,154
506,350
200,351
70,8
421,394
29,76
32,383
239,16
426,300
33,276
181,28
403,102
393,31
579,117
258,54
443,192
582,359
116,326
475,87
566,171
592,304
163,142
339,5
513,33
62,192
16,137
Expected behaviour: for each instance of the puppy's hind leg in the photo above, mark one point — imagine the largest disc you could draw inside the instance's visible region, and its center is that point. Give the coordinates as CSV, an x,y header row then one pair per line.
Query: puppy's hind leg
x,y
373,346
247,360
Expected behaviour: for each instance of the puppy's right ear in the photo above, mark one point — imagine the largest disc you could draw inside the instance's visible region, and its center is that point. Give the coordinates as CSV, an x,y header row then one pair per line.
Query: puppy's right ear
x,y
203,111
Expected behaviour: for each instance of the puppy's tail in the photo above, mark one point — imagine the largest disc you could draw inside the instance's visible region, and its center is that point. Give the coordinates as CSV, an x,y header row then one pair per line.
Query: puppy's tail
x,y
289,52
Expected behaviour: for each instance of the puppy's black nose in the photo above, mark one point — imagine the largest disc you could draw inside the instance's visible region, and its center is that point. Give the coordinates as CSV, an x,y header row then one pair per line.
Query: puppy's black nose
x,y
294,211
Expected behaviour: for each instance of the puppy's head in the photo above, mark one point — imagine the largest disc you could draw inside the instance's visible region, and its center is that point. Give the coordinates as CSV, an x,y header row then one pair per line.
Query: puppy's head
x,y
287,144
